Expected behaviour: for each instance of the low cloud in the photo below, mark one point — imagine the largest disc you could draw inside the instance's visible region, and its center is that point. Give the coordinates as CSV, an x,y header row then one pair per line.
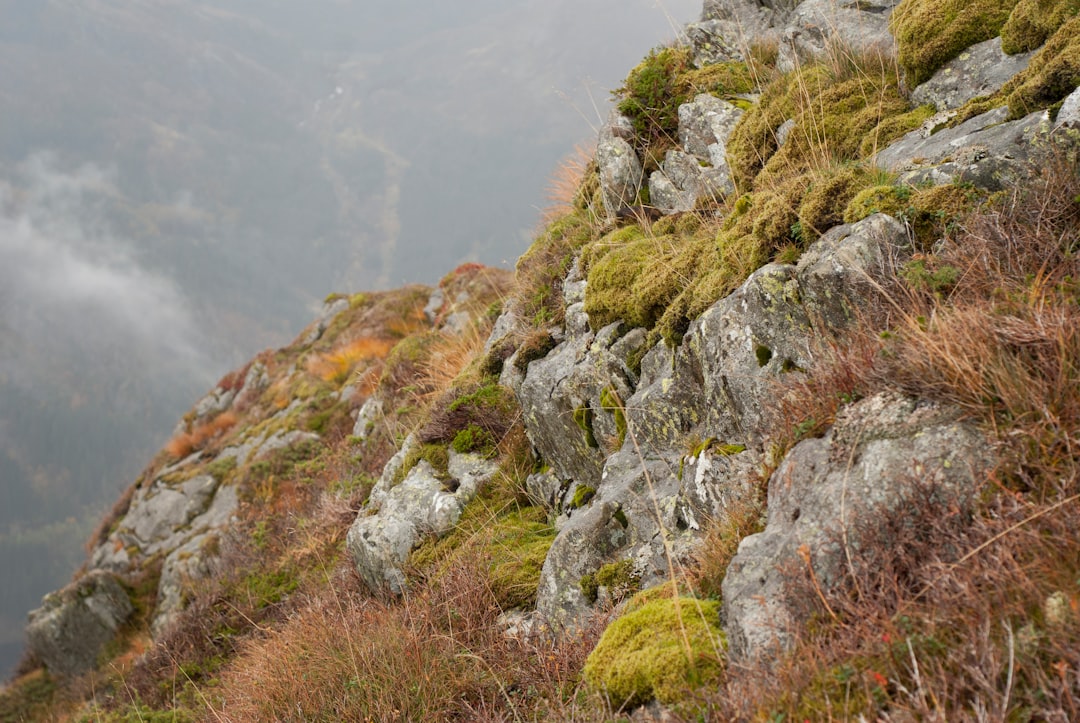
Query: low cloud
x,y
70,287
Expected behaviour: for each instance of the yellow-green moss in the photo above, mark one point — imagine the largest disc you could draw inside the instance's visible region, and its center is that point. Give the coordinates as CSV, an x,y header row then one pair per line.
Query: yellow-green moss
x,y
1053,73
653,91
582,496
1033,21
619,578
823,204
930,33
517,547
658,651
612,404
927,211
892,128
475,439
436,455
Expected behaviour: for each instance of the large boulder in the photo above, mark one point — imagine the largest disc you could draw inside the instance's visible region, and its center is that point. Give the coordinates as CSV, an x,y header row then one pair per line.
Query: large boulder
x,y
73,625
825,497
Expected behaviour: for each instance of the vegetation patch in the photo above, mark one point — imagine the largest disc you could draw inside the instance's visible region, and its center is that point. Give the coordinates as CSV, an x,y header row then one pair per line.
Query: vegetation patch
x,y
1033,21
611,403
930,33
583,494
653,91
434,454
619,578
474,439
658,651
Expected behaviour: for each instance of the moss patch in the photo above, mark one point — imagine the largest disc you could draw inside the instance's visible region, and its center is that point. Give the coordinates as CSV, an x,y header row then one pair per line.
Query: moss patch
x,y
612,404
658,651
619,578
930,33
1053,73
1033,21
434,454
582,496
653,91
583,418
474,439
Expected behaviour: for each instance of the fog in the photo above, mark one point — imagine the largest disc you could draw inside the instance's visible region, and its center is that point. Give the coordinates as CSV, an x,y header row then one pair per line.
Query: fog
x,y
182,182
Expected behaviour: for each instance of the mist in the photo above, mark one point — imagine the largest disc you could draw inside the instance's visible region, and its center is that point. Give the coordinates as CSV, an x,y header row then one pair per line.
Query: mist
x,y
182,183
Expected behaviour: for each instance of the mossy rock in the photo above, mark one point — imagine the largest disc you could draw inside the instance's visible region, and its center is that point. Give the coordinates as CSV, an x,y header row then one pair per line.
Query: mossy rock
x,y
436,455
474,439
658,651
1033,21
653,91
930,33
1054,73
929,212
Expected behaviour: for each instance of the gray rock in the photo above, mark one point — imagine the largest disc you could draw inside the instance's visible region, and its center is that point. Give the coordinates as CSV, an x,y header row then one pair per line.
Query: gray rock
x,y
255,381
784,131
329,311
678,183
369,415
214,403
838,273
980,70
621,174
185,564
814,26
829,488
728,27
704,123
163,517
398,517
561,406
731,354
434,305
73,625
986,150
1069,114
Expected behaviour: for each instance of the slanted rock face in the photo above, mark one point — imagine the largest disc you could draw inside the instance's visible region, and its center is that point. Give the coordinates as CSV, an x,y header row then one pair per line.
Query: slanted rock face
x,y
860,25
74,624
863,469
987,150
980,70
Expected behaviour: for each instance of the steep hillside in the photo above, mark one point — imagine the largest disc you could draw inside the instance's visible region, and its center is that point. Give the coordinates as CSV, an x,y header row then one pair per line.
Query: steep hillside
x,y
776,420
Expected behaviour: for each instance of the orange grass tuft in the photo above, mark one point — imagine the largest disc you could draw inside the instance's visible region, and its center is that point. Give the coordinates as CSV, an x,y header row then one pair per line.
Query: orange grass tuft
x,y
338,364
185,443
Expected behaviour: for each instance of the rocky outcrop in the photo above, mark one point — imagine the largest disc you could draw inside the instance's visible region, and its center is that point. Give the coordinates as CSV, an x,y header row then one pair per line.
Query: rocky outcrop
x,y
645,498
73,625
829,499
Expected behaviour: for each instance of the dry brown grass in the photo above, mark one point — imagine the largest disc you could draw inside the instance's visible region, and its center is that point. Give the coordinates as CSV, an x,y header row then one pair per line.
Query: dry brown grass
x,y
340,363
440,654
185,443
967,613
565,183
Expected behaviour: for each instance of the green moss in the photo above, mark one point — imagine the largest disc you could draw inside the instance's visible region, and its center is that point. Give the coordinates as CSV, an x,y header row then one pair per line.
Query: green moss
x,y
877,199
517,548
263,588
930,33
1033,21
583,418
619,578
582,496
612,404
1053,73
650,96
220,468
892,128
474,439
823,204
434,454
658,651
922,273
535,346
